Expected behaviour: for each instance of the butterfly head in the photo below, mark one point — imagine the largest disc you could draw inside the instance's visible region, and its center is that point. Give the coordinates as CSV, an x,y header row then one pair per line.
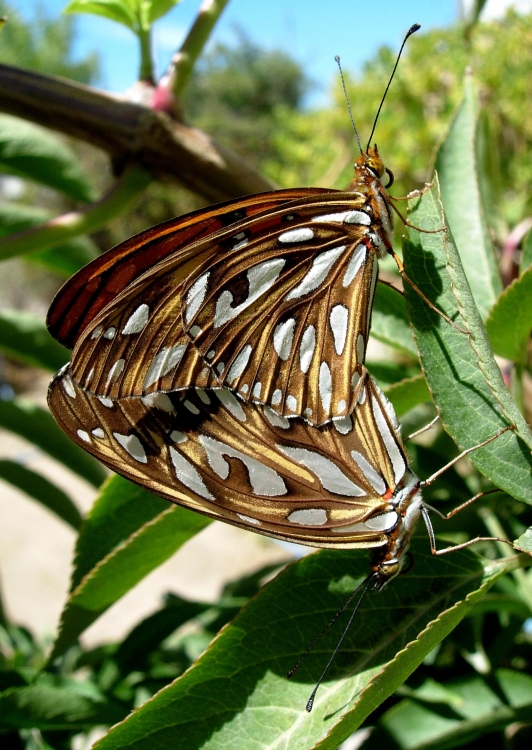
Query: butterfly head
x,y
372,161
385,571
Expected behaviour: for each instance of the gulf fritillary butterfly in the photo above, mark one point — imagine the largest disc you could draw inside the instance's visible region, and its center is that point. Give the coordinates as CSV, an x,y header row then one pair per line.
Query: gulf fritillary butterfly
x,y
346,484
274,304
219,361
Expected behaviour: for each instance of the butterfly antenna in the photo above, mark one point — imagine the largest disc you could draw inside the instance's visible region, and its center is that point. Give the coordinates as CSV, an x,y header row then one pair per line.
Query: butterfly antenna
x,y
411,30
325,630
337,58
310,702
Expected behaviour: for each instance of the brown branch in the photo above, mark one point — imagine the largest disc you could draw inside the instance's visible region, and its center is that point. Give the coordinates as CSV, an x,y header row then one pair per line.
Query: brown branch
x,y
125,130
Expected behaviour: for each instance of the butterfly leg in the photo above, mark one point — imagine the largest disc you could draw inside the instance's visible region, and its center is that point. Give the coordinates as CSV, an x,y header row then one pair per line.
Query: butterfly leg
x,y
454,511
423,429
455,547
432,306
413,226
412,194
464,453
426,508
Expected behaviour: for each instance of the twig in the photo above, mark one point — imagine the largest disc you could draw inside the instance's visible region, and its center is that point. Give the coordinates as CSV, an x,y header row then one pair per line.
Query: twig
x,y
183,61
118,200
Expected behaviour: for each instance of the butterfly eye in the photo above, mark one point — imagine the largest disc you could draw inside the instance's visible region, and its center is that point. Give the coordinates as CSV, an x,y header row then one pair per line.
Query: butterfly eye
x,y
388,569
390,177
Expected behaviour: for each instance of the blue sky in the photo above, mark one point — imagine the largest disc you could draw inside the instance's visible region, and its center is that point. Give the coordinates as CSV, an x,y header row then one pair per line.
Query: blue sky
x,y
312,31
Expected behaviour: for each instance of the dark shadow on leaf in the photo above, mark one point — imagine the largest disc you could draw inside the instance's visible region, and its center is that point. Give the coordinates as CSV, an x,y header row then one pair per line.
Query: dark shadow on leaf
x,y
276,627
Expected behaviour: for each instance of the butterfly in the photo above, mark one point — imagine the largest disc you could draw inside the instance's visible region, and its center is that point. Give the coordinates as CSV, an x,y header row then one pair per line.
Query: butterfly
x,y
344,485
269,296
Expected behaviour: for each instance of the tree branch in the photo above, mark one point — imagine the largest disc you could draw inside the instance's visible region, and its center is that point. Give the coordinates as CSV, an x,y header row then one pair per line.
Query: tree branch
x,y
169,149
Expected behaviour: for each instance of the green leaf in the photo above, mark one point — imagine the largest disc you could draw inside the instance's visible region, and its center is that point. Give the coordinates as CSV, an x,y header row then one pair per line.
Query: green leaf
x,y
408,393
42,490
39,427
464,379
128,534
148,634
245,666
456,165
34,153
498,603
25,338
524,543
526,257
137,15
64,259
389,320
159,8
120,11
120,509
510,320
484,705
431,691
43,706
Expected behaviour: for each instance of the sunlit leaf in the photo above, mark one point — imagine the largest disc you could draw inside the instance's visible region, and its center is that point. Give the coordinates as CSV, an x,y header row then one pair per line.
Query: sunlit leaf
x,y
524,543
510,320
29,151
464,379
457,172
128,533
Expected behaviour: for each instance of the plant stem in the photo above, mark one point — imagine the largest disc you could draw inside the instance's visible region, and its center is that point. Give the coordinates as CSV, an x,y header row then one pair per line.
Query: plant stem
x,y
183,61
146,61
117,201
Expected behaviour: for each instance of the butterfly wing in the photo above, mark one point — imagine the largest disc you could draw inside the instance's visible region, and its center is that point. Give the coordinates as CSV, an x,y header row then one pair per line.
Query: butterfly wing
x,y
96,285
277,315
285,321
245,465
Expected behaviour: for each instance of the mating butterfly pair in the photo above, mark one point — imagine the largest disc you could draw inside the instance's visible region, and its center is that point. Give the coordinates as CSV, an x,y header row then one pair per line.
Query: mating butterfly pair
x,y
219,361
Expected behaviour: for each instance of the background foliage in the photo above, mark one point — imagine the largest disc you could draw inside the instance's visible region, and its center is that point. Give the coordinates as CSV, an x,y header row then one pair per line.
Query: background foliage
x,y
441,658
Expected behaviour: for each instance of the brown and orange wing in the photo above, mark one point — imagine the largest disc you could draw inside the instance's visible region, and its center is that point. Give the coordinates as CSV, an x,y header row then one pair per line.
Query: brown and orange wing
x,y
245,465
96,285
276,307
